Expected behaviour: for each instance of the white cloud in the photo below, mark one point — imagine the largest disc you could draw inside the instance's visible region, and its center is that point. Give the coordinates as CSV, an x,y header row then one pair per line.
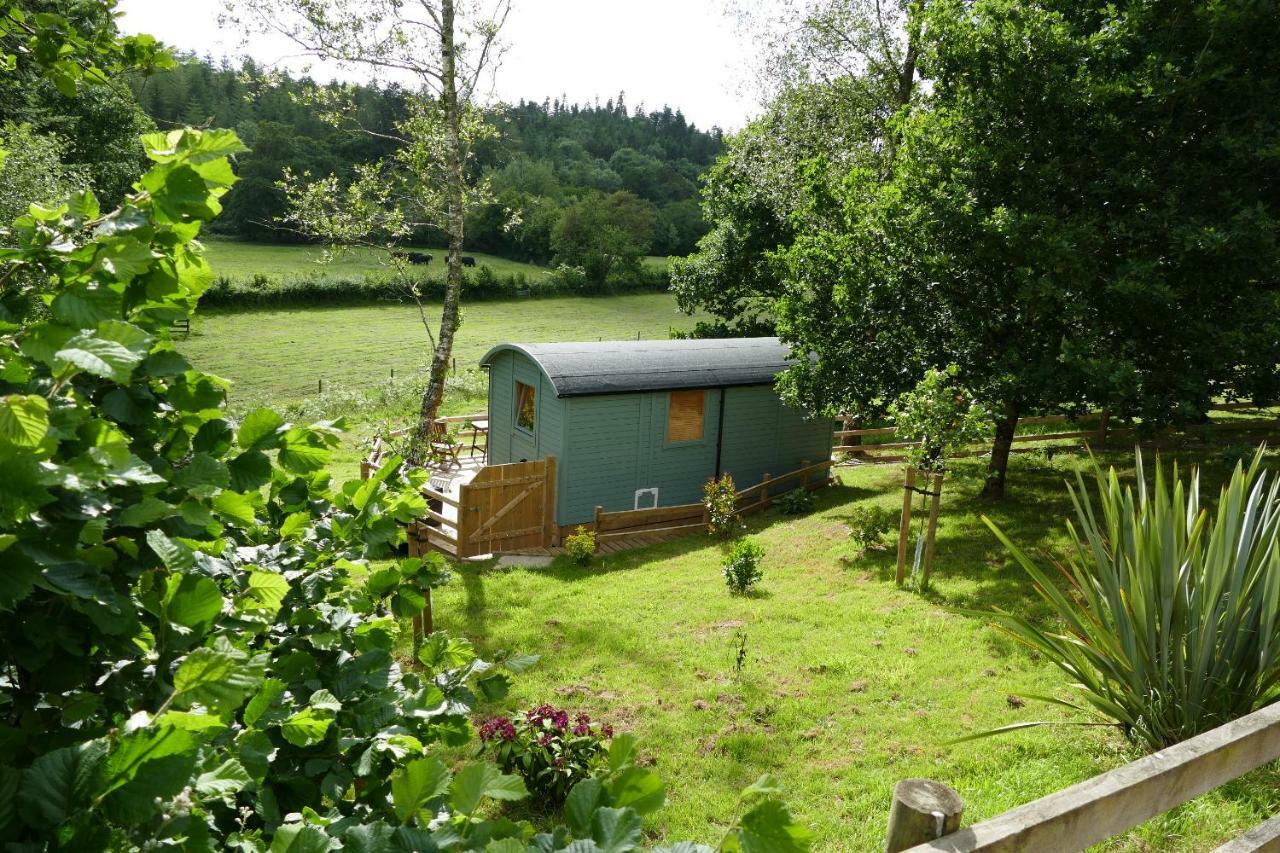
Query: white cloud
x,y
682,53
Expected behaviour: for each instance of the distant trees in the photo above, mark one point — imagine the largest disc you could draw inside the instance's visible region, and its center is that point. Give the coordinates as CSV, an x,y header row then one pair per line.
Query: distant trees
x,y
545,157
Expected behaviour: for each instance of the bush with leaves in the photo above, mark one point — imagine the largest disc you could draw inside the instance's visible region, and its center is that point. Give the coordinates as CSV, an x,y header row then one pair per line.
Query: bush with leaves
x,y
868,524
798,501
581,546
720,497
548,747
1168,625
742,567
940,416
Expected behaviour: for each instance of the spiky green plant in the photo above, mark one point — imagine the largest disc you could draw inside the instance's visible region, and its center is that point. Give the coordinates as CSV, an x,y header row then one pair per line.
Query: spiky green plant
x,y
1170,615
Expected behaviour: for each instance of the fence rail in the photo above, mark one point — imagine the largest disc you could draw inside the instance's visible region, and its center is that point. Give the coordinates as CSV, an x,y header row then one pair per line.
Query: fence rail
x,y
1104,806
878,451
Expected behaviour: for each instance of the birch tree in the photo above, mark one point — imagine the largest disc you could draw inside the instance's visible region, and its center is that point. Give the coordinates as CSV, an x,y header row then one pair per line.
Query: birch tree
x,y
444,51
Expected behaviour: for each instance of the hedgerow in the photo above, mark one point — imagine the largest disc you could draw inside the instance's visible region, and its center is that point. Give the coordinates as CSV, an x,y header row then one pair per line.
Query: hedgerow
x,y
262,291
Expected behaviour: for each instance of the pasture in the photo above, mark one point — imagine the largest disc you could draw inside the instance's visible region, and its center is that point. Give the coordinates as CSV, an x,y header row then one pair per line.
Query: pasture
x,y
282,356
240,260
848,684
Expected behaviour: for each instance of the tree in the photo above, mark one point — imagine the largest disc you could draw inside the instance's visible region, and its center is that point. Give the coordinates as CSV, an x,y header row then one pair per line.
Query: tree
x,y
1082,212
428,179
604,234
836,72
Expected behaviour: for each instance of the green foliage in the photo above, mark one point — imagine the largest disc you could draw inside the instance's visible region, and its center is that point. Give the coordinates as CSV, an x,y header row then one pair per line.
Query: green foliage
x,y
869,523
720,497
581,546
742,567
798,501
1168,625
607,236
941,416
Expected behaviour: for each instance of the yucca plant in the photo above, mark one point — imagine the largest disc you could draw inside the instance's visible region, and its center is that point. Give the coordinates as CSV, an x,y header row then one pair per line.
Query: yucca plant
x,y
1170,614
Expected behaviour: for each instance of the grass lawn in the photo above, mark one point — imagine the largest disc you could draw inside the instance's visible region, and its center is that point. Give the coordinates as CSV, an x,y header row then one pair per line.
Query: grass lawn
x,y
238,260
849,684
279,355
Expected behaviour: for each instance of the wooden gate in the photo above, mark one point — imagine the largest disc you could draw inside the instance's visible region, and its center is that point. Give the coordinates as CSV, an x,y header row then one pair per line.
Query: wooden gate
x,y
508,508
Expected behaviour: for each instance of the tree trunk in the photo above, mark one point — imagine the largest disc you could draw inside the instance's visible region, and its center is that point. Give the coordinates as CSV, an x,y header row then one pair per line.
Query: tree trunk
x,y
1005,428
455,227
907,73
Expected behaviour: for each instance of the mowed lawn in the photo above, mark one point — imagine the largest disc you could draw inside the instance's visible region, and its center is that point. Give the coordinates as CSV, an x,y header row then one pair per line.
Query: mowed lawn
x,y
275,356
849,684
238,260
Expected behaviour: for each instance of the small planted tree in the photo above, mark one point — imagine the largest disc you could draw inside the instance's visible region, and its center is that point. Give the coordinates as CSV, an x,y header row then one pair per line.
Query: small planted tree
x,y
720,497
939,416
1167,625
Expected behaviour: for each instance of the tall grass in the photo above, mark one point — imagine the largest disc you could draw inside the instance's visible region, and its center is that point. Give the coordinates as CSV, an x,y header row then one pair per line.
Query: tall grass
x,y
1170,618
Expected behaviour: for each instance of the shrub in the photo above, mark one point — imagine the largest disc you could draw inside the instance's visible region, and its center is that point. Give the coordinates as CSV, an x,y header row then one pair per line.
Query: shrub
x,y
720,497
742,566
1169,621
551,750
581,545
869,523
798,501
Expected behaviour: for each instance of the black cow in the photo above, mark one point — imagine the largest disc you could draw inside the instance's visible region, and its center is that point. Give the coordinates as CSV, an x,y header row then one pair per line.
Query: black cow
x,y
419,258
468,261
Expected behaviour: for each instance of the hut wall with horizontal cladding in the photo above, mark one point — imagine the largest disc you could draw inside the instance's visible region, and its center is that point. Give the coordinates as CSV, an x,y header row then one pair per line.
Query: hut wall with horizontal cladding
x,y
507,443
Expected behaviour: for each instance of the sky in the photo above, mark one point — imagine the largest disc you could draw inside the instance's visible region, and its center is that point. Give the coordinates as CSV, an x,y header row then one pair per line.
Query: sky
x,y
688,54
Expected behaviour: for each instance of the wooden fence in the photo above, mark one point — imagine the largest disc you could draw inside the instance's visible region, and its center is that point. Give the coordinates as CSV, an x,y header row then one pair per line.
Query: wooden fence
x,y
925,816
849,440
687,517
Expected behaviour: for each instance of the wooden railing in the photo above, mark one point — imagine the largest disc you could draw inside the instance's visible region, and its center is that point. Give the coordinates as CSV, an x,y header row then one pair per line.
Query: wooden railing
x,y
876,452
687,517
466,438
925,815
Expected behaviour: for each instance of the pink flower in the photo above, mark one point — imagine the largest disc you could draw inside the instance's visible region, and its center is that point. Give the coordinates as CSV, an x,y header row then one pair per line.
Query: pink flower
x,y
606,730
498,727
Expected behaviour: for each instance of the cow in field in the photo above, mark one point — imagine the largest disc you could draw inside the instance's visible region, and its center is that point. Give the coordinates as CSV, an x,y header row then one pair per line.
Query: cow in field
x,y
419,258
468,261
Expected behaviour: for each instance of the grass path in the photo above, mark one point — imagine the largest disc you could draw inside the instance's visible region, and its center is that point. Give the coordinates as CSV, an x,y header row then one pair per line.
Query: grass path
x,y
275,356
849,683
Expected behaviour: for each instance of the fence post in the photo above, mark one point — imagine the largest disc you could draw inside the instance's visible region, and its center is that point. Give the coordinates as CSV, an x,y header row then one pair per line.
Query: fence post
x,y
804,477
933,531
923,810
764,491
904,529
596,522
319,386
1103,424
551,533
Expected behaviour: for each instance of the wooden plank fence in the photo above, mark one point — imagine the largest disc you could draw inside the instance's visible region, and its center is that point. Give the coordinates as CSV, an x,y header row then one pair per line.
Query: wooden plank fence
x,y
685,518
1099,808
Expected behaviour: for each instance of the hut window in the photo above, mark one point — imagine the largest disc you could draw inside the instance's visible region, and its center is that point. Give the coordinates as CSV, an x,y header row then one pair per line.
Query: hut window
x,y
525,406
684,415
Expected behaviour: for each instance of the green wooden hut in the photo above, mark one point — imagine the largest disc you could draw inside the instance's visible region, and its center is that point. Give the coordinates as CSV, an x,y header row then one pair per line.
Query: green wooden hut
x,y
638,424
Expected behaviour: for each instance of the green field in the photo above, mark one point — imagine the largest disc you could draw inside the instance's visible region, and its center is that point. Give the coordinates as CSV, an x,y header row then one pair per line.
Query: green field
x,y
849,685
278,356
238,260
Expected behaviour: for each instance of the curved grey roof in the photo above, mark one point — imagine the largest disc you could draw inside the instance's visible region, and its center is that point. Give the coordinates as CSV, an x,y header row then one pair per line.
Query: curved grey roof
x,y
616,367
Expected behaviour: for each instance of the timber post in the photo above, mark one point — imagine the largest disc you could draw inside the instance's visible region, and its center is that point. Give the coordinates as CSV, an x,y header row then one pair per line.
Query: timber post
x,y
1103,424
904,529
932,534
595,523
922,811
764,490
804,477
